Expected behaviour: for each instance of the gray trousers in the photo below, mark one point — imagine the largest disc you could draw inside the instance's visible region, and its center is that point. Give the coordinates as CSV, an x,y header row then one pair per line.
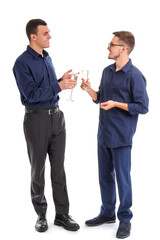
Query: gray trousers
x,y
45,134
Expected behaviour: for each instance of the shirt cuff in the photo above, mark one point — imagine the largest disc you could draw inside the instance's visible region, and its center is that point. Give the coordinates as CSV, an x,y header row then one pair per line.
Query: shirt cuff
x,y
56,88
98,98
131,108
135,108
59,79
97,101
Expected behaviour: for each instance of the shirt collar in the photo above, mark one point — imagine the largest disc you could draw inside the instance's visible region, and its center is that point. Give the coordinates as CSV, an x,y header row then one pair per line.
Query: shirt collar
x,y
36,54
124,69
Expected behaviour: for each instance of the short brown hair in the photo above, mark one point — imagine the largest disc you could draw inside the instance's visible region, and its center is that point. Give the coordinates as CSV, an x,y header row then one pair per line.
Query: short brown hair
x,y
127,38
31,27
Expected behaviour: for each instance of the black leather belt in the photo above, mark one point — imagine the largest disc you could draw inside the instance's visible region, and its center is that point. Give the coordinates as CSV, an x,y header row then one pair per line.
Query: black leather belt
x,y
49,111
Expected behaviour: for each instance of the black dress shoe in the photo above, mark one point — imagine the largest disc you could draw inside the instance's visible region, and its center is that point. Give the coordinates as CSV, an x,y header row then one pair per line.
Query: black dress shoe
x,y
66,221
100,220
123,230
41,224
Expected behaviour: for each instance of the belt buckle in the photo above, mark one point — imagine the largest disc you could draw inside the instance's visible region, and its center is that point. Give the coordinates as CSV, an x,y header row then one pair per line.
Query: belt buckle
x,y
50,112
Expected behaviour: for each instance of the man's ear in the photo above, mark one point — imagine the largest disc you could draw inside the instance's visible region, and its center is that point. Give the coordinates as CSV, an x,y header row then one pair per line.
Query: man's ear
x,y
33,37
125,48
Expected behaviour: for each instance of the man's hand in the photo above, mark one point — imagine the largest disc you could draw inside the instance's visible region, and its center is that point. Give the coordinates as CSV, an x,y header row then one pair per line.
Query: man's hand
x,y
67,75
87,87
108,105
66,81
85,84
111,104
67,84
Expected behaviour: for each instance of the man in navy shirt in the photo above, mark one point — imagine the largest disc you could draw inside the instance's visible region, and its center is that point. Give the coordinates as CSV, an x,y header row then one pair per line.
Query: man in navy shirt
x,y
122,96
44,124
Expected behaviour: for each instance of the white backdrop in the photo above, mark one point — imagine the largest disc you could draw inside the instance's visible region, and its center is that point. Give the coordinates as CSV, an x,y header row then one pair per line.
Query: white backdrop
x,y
80,33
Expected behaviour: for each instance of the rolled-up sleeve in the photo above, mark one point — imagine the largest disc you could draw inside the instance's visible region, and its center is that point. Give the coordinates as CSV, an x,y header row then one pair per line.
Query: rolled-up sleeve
x,y
139,94
98,98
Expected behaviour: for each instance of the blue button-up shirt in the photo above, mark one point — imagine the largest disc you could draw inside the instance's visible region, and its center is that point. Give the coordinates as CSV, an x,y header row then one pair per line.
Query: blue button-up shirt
x,y
36,80
117,126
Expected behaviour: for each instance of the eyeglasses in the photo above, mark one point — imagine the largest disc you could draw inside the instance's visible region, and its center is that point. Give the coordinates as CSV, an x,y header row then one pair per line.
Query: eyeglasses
x,y
112,45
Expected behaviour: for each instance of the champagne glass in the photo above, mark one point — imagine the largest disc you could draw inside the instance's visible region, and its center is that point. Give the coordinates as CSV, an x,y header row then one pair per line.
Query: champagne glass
x,y
74,76
85,75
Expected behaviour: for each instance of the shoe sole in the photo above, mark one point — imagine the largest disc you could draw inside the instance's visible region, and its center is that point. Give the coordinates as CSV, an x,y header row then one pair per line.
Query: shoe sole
x,y
123,236
94,225
41,230
67,228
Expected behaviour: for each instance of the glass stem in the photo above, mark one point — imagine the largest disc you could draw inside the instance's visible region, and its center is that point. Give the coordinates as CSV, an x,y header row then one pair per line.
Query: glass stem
x,y
71,95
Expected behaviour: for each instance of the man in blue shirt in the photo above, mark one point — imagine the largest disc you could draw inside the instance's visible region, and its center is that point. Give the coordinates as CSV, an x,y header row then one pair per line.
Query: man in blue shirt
x,y
44,124
122,96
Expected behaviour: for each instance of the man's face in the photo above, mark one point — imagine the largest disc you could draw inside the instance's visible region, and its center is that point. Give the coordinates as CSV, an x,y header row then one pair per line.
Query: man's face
x,y
115,51
42,37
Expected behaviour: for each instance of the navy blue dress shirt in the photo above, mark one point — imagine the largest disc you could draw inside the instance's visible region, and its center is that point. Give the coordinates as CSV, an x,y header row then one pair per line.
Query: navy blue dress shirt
x,y
36,80
117,126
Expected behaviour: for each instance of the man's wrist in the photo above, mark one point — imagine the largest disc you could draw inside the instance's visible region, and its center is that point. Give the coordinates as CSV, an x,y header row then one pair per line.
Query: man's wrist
x,y
88,90
123,106
115,104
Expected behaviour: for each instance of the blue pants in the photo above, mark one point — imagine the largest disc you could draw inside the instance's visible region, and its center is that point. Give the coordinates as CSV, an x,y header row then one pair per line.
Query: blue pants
x,y
115,162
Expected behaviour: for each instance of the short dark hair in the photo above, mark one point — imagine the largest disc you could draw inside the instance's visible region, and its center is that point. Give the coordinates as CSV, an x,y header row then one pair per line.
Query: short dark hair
x,y
127,38
31,27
